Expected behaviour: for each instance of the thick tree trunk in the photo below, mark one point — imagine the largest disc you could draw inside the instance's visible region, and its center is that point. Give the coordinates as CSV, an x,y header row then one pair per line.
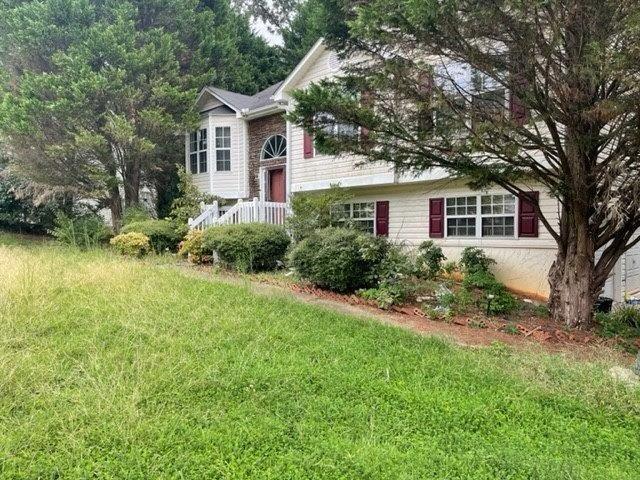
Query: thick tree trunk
x,y
572,277
573,292
132,190
115,205
132,176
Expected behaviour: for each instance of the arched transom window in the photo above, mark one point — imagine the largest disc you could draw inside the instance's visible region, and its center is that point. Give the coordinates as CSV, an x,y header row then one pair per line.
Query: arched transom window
x,y
274,147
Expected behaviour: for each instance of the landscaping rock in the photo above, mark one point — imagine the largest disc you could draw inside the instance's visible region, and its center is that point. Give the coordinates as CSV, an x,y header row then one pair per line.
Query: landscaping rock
x,y
625,375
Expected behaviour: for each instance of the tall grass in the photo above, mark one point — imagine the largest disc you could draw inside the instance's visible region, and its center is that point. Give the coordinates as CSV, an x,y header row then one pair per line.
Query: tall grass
x,y
116,368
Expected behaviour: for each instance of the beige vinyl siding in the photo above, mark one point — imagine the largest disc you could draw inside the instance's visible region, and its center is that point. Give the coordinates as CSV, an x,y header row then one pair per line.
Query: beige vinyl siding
x,y
327,168
229,184
522,263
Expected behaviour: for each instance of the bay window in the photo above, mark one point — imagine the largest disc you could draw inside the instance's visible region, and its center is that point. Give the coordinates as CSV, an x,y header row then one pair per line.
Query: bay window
x,y
198,151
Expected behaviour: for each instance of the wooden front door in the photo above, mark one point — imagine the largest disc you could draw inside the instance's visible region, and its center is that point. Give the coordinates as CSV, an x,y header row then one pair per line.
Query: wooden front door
x,y
276,185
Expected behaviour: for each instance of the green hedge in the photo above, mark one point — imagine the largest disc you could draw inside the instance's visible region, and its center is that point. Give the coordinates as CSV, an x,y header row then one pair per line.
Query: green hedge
x,y
162,233
249,247
340,259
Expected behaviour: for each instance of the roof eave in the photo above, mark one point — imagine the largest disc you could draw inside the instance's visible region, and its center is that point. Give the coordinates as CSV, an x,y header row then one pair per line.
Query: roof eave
x,y
211,92
263,111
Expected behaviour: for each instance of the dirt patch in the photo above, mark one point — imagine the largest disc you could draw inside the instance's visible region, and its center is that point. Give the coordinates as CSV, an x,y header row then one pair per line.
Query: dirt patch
x,y
469,331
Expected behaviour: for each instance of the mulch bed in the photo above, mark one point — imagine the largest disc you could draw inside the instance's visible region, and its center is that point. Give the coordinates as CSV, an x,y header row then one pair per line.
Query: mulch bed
x,y
478,329
538,329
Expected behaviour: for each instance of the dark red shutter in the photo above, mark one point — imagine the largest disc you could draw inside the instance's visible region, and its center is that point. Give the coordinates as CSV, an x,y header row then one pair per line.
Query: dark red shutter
x,y
527,215
517,109
436,217
307,144
382,219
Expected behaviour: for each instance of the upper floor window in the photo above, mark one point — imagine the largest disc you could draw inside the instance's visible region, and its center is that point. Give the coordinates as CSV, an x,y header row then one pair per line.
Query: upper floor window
x,y
471,96
335,128
494,218
274,147
198,151
223,149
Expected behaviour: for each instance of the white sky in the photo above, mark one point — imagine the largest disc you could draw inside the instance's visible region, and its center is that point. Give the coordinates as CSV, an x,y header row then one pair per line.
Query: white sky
x,y
261,29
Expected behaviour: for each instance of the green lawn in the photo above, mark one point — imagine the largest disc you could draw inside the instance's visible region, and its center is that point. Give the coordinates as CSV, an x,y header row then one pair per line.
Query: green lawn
x,y
114,368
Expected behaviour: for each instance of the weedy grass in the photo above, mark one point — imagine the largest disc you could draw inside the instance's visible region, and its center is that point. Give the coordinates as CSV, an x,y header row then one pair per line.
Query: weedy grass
x,y
118,368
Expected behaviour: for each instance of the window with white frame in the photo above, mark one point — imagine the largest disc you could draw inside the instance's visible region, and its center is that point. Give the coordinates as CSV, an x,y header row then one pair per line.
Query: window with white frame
x,y
495,216
331,127
470,94
461,216
489,99
498,215
198,151
360,215
223,149
274,147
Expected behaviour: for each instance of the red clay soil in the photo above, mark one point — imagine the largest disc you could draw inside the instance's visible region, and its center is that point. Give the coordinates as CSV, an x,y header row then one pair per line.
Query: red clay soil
x,y
476,331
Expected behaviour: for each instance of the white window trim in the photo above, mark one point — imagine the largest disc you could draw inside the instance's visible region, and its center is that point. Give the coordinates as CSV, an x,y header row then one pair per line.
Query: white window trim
x,y
335,129
264,145
375,214
216,148
198,151
469,95
479,216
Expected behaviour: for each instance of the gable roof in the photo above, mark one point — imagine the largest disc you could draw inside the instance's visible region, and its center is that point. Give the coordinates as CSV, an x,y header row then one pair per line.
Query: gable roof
x,y
240,103
304,64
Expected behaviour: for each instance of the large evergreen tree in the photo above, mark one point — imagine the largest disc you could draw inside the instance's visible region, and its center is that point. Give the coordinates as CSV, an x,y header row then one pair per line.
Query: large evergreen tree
x,y
312,20
572,68
95,92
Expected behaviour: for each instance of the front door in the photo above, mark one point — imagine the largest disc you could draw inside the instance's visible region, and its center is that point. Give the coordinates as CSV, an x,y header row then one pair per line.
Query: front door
x,y
276,185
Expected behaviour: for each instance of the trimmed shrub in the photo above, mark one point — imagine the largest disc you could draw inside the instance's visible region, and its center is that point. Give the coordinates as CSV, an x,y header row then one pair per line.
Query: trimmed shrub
x,y
249,247
84,231
340,259
192,246
429,259
133,244
474,260
162,233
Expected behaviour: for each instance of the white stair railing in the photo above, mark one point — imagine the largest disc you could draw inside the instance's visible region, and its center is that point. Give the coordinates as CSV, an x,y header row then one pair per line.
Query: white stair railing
x,y
207,218
255,211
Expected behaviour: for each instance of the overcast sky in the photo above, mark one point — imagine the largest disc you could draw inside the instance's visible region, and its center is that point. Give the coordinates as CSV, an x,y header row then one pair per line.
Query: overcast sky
x,y
260,28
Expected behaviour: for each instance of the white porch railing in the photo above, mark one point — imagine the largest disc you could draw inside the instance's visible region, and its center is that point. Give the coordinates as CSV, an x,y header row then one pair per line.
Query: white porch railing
x,y
255,211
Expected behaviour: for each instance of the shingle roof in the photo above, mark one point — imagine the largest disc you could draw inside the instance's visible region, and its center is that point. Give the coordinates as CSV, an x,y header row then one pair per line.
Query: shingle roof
x,y
240,102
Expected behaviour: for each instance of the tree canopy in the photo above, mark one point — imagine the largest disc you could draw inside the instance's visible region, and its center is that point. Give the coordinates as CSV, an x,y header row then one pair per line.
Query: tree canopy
x,y
500,93
93,92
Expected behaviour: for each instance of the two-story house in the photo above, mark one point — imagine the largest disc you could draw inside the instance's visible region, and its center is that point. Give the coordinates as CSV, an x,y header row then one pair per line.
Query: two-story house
x,y
245,149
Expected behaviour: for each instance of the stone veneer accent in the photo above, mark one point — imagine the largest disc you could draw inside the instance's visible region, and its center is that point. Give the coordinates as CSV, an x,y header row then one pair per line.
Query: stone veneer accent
x,y
259,130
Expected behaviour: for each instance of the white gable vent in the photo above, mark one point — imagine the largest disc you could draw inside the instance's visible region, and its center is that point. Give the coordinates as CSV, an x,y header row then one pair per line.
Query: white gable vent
x,y
333,62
